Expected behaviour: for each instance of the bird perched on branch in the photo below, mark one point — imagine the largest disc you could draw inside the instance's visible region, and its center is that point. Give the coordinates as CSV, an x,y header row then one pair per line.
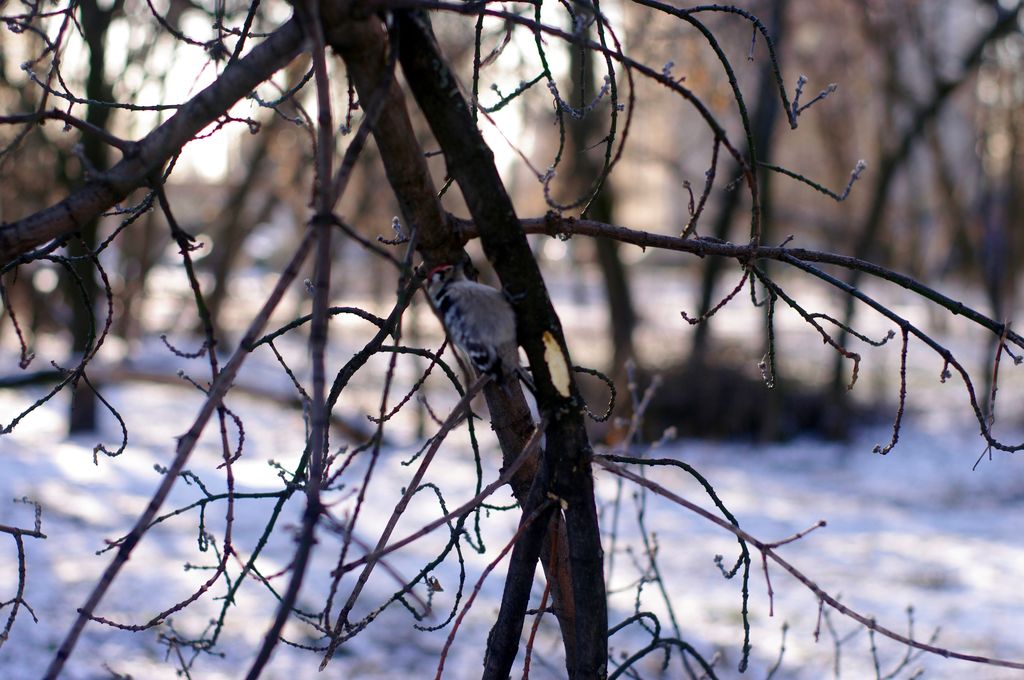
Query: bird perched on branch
x,y
479,320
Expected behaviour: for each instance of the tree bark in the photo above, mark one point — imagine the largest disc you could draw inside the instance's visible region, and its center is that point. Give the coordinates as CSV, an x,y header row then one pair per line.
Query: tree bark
x,y
363,44
566,457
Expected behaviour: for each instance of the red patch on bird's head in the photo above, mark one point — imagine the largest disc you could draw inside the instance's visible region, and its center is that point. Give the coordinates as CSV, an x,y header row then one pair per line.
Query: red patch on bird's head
x,y
438,268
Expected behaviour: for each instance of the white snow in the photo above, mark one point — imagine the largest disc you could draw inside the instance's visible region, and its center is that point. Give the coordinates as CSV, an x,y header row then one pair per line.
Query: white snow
x,y
916,528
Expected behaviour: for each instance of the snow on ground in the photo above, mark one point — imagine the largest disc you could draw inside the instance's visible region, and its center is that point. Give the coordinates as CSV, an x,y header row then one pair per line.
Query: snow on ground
x,y
916,528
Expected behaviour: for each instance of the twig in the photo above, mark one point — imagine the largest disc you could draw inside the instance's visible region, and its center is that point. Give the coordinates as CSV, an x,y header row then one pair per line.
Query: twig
x,y
453,419
186,444
523,526
823,596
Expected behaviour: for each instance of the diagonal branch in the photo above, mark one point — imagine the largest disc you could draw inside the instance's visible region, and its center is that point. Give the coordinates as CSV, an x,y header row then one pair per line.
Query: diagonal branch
x,y
146,157
922,118
186,444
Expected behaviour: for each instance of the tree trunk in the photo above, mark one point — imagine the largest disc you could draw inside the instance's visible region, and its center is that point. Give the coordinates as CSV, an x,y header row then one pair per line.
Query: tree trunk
x,y
584,170
892,162
94,21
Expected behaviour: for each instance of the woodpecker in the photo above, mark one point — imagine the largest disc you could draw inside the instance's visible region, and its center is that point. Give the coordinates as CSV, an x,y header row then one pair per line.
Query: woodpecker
x,y
479,320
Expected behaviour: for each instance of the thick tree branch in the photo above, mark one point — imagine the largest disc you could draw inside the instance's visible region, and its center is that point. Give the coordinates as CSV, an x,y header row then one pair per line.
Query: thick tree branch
x,y
566,460
146,157
362,42
800,258
360,39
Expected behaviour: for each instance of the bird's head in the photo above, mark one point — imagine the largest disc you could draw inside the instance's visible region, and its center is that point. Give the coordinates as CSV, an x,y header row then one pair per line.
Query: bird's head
x,y
441,274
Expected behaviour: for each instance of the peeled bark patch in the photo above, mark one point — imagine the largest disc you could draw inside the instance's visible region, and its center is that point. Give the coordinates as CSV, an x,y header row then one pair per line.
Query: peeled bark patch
x,y
557,367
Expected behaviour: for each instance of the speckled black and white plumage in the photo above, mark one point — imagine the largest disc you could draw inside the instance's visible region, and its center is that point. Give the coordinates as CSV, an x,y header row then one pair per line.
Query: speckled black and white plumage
x,y
479,320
